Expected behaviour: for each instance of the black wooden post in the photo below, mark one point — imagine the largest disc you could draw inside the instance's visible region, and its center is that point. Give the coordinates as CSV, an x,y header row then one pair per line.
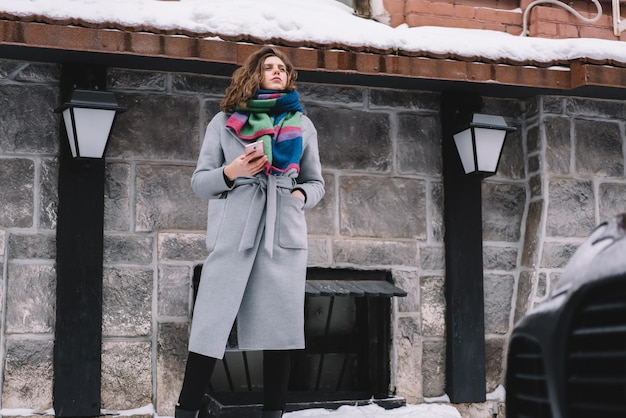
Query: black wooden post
x,y
465,328
78,330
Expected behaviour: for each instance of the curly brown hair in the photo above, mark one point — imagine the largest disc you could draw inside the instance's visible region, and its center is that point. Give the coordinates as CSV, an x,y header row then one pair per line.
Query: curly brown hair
x,y
246,80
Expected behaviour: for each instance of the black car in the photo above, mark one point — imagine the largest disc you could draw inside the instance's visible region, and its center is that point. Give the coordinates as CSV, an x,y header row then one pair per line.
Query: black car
x,y
567,358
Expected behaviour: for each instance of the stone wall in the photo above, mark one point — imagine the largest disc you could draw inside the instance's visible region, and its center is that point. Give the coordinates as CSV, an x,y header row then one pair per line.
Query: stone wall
x,y
381,154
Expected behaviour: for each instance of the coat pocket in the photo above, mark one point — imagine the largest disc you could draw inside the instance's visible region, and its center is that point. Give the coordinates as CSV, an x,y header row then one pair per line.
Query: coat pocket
x,y
214,221
292,231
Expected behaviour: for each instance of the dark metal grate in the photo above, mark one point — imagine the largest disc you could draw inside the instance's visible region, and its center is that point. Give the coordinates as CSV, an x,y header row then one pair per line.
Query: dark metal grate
x,y
346,358
527,390
596,372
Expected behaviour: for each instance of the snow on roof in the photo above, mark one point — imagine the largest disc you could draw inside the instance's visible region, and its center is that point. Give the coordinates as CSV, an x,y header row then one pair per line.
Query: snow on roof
x,y
327,23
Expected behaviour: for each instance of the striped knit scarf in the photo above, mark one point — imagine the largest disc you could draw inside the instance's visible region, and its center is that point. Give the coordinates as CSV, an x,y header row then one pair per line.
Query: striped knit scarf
x,y
274,118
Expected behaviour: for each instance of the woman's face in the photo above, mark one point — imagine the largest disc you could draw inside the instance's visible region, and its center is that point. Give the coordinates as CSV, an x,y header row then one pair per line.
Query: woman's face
x,y
274,74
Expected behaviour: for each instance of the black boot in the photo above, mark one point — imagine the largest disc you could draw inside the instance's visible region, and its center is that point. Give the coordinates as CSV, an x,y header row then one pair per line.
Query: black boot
x,y
271,414
185,413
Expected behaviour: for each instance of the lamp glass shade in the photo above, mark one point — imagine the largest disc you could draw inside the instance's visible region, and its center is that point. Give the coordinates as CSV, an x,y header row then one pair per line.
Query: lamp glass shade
x,y
480,145
465,147
489,144
88,130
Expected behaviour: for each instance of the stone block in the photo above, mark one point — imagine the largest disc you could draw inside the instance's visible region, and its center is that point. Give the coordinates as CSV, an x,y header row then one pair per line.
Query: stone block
x,y
402,99
557,254
524,294
181,247
40,246
321,219
613,109
599,148
172,339
571,212
553,104
174,293
155,127
410,282
419,144
382,207
352,139
475,410
127,301
434,368
536,186
436,226
319,252
375,253
28,375
165,200
409,350
558,144
117,184
126,374
128,249
31,305
611,199
432,258
533,141
499,258
29,124
316,93
498,291
118,78
433,306
200,84
495,354
503,210
532,234
16,195
48,193
40,73
8,67
511,164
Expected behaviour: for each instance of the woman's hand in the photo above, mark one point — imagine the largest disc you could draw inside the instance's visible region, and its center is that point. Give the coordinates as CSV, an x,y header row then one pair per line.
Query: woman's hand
x,y
298,193
244,166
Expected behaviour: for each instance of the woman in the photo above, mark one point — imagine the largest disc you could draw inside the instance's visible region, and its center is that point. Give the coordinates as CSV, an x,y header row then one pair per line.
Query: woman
x,y
256,233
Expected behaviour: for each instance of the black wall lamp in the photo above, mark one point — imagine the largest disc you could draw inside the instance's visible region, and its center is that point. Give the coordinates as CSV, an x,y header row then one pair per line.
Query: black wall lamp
x,y
88,118
480,145
478,140
88,113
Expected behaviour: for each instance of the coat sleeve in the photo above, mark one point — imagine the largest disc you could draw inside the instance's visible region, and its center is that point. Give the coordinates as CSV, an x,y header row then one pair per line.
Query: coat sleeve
x,y
310,178
208,180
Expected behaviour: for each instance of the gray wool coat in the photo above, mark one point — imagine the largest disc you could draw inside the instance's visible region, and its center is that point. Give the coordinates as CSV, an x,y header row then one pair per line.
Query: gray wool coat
x,y
256,238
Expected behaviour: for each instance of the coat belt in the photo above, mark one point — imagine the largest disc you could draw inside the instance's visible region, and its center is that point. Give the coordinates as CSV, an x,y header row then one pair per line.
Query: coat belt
x,y
263,200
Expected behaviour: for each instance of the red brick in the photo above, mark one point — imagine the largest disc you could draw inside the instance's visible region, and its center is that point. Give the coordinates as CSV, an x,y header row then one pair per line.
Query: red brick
x,y
567,31
396,20
144,43
552,14
441,9
465,12
394,6
220,51
368,63
417,6
339,61
594,32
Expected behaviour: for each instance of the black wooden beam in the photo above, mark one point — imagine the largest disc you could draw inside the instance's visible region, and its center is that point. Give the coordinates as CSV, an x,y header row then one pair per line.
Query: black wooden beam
x,y
465,328
80,219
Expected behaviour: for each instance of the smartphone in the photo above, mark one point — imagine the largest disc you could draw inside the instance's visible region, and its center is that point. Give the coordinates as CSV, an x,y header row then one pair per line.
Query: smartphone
x,y
255,148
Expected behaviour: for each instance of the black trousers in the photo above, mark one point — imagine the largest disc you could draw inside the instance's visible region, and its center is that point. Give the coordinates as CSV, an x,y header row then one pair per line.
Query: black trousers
x,y
199,368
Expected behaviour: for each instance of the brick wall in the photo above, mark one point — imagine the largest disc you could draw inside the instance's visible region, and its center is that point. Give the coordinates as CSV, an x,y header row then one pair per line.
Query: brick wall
x,y
381,155
545,20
